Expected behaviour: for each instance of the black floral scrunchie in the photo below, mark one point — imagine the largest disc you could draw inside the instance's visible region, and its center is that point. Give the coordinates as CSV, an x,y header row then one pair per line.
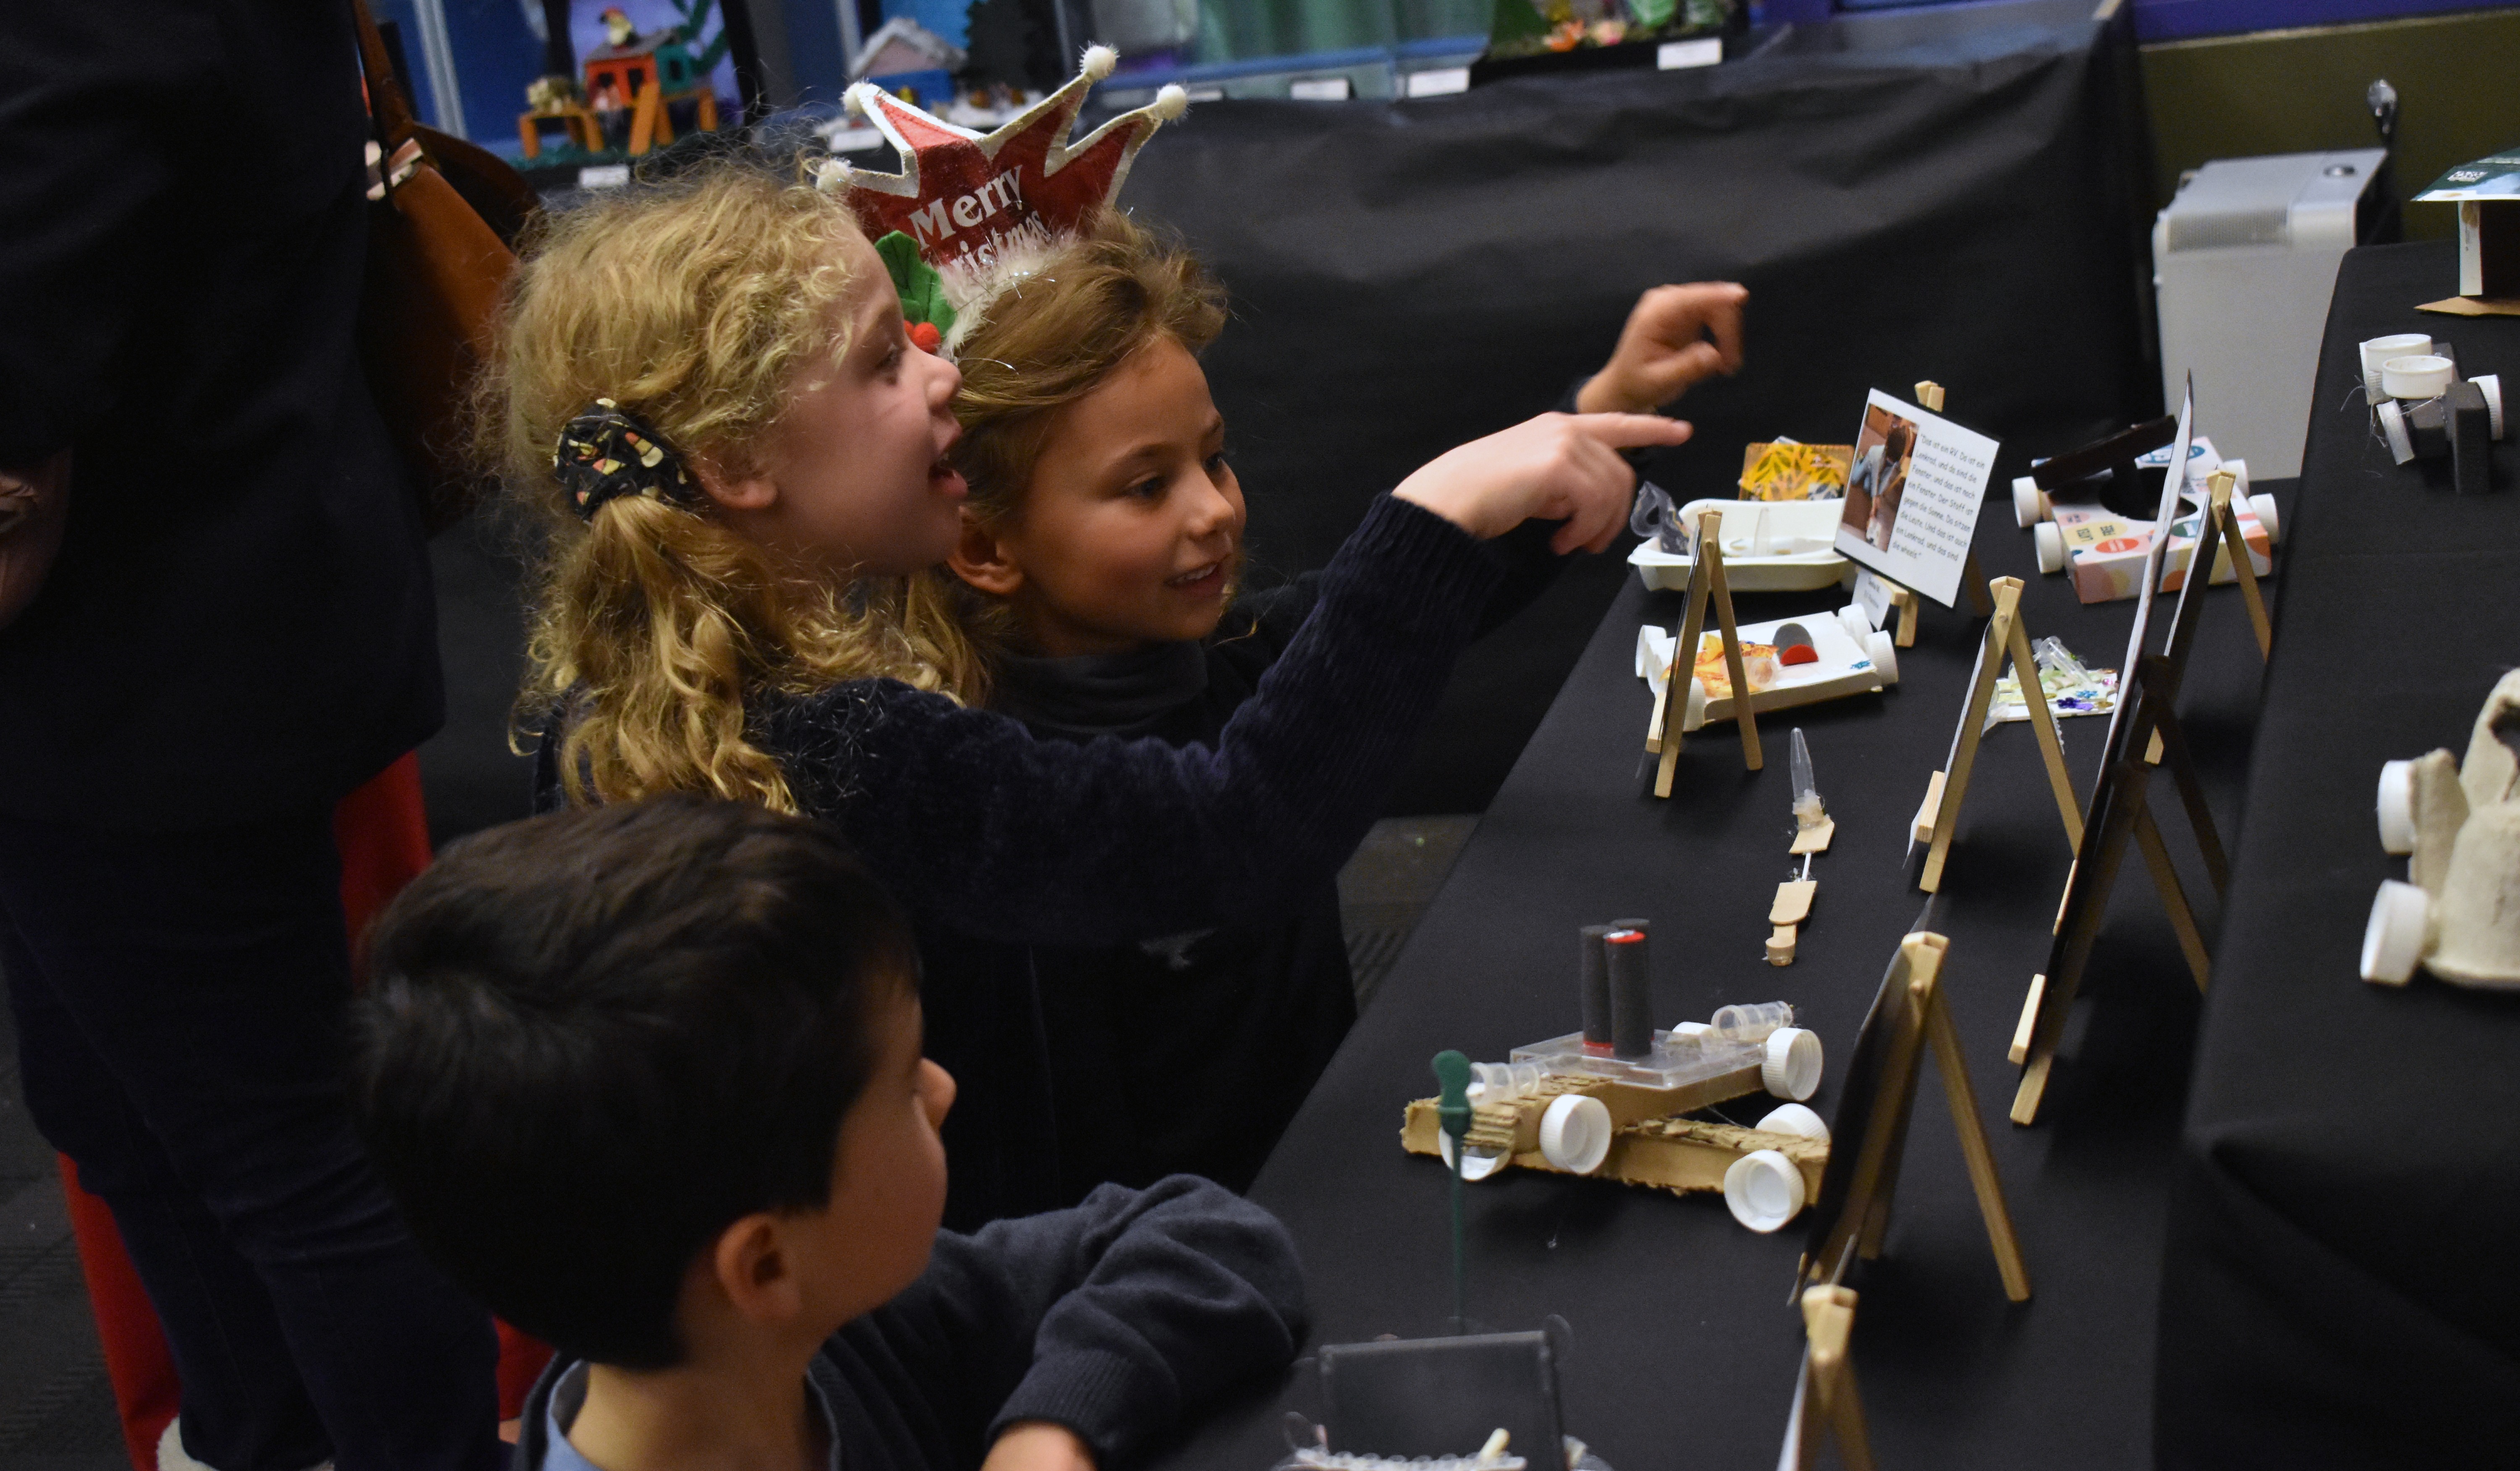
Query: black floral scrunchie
x,y
606,452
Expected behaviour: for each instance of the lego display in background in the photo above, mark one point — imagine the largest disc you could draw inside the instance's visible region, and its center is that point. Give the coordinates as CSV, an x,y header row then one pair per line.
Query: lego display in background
x,y
684,41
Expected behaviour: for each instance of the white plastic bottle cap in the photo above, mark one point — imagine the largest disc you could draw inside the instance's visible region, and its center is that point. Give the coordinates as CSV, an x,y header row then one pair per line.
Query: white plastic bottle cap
x,y
2398,807
2029,507
1883,651
2378,350
2490,385
1851,618
1764,1189
2239,469
2419,377
2393,427
1475,1164
2394,941
1791,1069
2049,539
2263,508
1794,1118
1575,1133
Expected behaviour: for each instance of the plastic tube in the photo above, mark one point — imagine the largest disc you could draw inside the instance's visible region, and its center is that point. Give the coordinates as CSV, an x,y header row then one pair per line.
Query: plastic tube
x,y
1753,1023
1808,810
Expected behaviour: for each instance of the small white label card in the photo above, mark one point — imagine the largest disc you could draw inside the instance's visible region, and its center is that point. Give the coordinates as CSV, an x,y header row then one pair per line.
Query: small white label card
x,y
1912,496
1873,596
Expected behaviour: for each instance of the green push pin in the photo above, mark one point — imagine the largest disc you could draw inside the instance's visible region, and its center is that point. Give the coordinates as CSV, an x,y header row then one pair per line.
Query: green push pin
x,y
1453,1107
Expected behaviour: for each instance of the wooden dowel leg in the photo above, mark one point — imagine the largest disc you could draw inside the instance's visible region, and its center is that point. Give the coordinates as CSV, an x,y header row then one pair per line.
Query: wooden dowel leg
x,y
1846,1421
2173,895
1684,666
2246,572
2043,721
1974,1148
1722,594
2089,906
2192,795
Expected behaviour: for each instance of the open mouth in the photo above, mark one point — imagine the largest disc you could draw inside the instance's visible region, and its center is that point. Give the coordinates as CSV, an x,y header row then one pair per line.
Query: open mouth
x,y
1197,579
946,478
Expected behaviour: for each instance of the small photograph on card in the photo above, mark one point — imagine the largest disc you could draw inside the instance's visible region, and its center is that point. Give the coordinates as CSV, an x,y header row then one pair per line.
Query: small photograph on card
x,y
1912,496
1878,480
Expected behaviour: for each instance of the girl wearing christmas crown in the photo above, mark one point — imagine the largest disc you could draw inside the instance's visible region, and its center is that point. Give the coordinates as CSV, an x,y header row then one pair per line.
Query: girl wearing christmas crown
x,y
710,389
1099,556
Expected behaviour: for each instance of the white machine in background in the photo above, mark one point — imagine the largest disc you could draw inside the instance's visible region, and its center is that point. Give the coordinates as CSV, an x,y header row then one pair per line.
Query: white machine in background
x,y
2244,262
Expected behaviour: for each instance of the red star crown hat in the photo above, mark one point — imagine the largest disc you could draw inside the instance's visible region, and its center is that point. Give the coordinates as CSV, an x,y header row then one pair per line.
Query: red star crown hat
x,y
981,209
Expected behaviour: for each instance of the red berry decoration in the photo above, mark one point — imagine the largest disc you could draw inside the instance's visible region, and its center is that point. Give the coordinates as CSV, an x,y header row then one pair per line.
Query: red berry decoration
x,y
924,336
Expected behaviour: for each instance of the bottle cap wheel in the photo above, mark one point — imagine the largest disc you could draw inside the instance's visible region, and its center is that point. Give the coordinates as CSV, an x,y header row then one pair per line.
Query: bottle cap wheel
x,y
2418,377
2393,427
1763,1190
2050,540
1883,652
2263,507
2394,941
2398,807
1792,1068
1575,1133
2025,500
1794,1118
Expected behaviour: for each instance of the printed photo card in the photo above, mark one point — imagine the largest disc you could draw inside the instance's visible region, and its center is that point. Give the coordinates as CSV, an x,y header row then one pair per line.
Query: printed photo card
x,y
1912,496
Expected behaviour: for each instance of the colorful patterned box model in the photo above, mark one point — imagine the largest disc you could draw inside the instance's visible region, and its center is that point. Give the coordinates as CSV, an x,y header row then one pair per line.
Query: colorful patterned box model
x,y
2105,552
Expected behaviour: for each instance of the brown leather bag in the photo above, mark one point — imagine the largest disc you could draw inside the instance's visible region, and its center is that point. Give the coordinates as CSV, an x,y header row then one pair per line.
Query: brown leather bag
x,y
442,242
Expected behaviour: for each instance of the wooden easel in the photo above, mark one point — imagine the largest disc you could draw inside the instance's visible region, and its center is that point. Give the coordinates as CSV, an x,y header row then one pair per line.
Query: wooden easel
x,y
1929,397
2226,520
2005,642
1825,1401
1863,1175
2121,810
1706,585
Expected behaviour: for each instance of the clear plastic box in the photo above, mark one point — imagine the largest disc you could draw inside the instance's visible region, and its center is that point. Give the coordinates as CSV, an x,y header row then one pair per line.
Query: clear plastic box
x,y
1676,1061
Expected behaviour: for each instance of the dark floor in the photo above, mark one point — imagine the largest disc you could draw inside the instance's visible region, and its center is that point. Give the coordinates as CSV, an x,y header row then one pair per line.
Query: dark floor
x,y
56,1409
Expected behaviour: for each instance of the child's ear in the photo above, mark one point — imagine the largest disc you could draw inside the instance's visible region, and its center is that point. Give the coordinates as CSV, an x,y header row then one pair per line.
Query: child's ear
x,y
982,559
754,492
754,1272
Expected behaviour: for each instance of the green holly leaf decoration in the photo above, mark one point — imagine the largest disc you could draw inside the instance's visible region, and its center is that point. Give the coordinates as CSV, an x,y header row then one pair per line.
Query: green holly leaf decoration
x,y
921,289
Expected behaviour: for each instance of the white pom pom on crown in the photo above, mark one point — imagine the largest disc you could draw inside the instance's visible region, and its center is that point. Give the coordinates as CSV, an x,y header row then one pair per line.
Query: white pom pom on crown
x,y
1170,101
831,175
1099,63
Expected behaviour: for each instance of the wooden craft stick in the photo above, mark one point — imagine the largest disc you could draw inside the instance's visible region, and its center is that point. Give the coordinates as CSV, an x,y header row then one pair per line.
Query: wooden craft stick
x,y
2051,747
1906,602
1929,396
1708,534
1980,1155
1830,1401
1990,667
2173,894
2172,740
1684,666
2227,520
2019,1052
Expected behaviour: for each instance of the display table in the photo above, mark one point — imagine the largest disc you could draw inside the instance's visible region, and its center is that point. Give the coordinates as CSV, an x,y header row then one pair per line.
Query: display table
x,y
2336,1291
1685,1348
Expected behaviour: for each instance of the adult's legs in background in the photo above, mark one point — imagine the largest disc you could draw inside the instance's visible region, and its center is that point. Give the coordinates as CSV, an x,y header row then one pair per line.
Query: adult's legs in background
x,y
180,997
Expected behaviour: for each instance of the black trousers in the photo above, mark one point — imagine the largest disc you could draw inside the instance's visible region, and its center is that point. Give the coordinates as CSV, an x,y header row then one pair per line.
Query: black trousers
x,y
179,1000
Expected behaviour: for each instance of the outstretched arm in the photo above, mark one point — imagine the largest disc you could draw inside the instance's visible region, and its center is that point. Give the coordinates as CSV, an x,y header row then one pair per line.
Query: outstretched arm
x,y
1676,336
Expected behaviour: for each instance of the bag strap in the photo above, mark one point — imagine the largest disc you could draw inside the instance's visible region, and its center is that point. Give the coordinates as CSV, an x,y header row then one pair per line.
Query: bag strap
x,y
385,103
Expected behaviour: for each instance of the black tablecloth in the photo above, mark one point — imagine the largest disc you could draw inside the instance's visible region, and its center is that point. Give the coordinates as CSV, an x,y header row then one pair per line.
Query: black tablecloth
x,y
1686,1348
1943,197
2335,1289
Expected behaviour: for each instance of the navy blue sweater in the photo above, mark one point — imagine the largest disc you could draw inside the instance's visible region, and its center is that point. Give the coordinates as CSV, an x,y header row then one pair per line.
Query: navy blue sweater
x,y
1185,1054
1120,1320
972,822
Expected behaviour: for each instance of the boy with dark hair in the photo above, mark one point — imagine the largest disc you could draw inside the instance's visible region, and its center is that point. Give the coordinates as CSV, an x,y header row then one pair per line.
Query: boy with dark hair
x,y
647,1078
